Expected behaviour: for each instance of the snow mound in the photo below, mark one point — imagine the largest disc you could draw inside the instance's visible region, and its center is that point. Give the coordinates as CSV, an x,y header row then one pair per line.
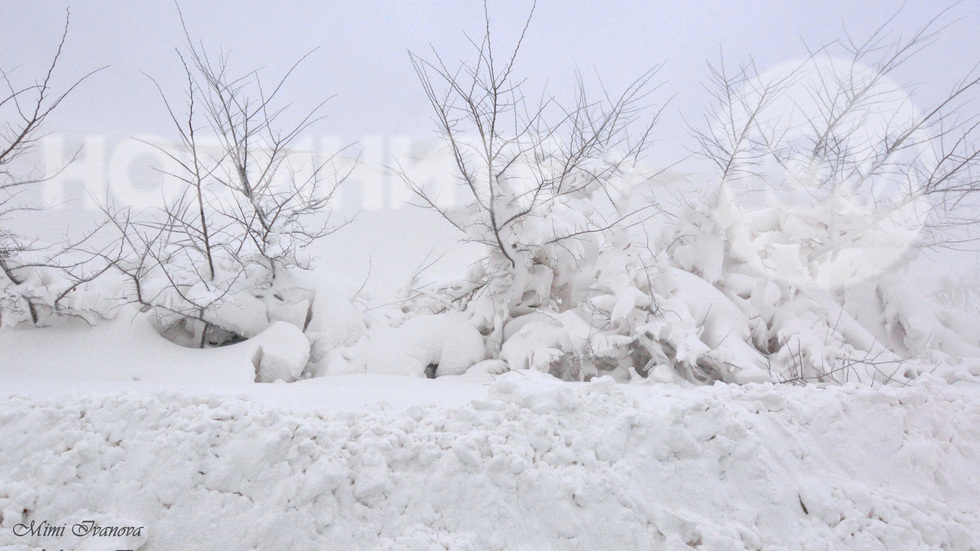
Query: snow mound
x,y
281,353
125,348
328,316
448,342
538,464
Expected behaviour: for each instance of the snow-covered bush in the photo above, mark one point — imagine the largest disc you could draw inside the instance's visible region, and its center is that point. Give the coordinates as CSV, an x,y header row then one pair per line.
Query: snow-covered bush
x,y
871,330
533,178
829,180
565,286
215,261
37,279
782,287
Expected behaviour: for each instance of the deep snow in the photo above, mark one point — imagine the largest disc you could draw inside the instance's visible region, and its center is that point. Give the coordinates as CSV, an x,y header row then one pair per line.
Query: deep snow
x,y
524,462
805,272
114,424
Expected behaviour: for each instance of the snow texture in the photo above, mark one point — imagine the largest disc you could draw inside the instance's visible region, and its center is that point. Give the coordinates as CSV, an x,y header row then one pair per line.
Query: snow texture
x,y
534,464
281,353
449,342
127,348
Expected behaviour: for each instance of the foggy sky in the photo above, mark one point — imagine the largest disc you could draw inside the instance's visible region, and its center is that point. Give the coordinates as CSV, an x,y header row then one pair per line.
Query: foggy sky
x,y
362,58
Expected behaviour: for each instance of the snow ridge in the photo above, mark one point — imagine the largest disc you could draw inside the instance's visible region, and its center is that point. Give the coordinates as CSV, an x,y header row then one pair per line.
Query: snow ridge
x,y
539,464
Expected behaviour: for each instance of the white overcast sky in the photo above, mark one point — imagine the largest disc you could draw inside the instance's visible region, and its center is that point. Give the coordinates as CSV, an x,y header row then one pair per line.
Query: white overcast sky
x,y
362,58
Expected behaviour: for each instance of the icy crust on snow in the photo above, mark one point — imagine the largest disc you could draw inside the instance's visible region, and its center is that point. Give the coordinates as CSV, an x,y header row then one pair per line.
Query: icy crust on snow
x,y
537,465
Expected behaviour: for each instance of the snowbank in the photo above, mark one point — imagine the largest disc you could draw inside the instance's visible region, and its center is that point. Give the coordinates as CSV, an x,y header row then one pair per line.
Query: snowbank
x,y
444,344
537,464
129,348
126,348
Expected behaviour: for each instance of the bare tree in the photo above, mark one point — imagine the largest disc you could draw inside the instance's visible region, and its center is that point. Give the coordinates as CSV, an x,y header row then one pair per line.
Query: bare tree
x,y
24,110
831,176
247,206
524,165
837,133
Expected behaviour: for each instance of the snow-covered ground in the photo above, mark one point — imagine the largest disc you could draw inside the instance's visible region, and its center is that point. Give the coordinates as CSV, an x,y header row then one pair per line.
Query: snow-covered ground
x,y
180,448
115,425
569,349
520,461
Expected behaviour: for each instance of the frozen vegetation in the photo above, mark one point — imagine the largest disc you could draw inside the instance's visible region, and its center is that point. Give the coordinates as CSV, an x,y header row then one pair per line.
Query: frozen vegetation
x,y
746,360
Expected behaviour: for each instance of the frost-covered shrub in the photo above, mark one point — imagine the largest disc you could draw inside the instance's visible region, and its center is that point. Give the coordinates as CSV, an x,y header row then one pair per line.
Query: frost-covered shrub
x,y
880,329
36,278
531,176
829,179
564,286
219,260
45,293
785,269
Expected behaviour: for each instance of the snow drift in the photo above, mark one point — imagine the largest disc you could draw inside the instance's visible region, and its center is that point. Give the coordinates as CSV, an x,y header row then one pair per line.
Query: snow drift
x,y
532,464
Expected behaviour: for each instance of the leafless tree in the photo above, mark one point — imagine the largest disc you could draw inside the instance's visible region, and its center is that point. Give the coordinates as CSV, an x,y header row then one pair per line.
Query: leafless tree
x,y
838,126
247,205
853,173
520,160
24,110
